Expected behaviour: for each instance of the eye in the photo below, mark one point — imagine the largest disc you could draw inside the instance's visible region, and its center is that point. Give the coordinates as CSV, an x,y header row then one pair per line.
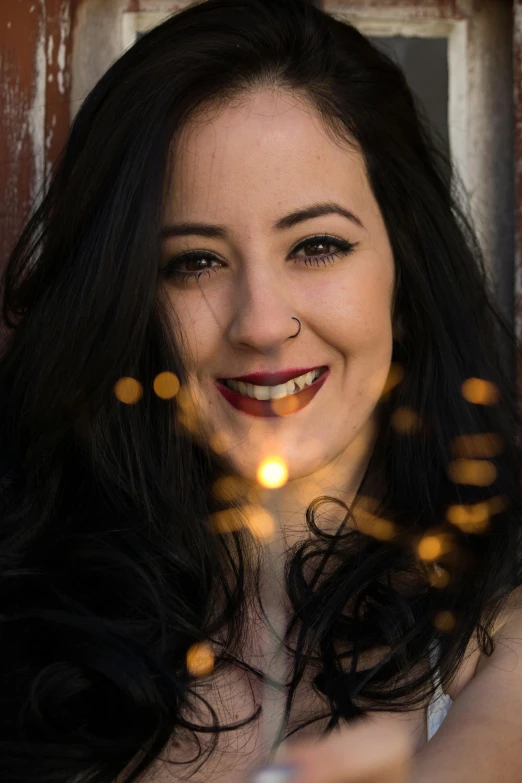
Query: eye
x,y
325,241
196,263
192,265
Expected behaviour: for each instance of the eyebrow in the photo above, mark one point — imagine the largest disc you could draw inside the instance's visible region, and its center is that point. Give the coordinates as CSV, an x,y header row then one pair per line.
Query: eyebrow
x,y
283,224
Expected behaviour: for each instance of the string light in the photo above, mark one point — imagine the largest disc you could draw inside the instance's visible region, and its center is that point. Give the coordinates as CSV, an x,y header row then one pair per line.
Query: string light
x,y
479,445
469,519
479,473
395,376
166,385
259,521
200,659
285,406
128,390
444,621
272,473
480,392
404,420
431,547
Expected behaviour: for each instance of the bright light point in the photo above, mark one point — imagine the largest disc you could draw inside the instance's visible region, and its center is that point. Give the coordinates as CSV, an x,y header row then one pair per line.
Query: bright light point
x,y
430,548
272,473
479,445
395,376
470,519
444,621
128,390
478,473
200,659
166,385
285,406
259,521
480,392
404,420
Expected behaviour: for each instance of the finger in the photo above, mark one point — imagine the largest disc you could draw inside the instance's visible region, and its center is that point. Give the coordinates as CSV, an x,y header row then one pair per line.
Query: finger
x,y
365,752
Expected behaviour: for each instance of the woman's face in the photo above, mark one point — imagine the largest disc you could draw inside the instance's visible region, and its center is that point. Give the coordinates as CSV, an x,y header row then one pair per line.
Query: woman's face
x,y
239,175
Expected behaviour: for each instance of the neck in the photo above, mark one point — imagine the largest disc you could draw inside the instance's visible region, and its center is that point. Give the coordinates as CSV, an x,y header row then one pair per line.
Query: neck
x,y
340,479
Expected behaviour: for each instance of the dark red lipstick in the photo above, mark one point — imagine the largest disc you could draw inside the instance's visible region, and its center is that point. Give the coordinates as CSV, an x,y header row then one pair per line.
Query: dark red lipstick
x,y
273,378
284,406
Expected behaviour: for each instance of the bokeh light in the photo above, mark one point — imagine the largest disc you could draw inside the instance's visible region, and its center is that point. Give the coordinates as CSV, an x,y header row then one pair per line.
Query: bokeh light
x,y
444,621
272,473
395,376
480,445
259,521
200,659
230,489
226,521
374,526
220,442
285,406
404,420
187,415
479,473
431,547
166,385
470,519
128,390
480,392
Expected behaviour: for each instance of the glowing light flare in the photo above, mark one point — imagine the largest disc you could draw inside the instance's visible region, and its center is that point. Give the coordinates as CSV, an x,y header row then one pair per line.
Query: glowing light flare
x,y
479,445
382,529
480,392
405,420
128,390
226,521
220,442
498,504
444,621
186,411
200,659
368,522
285,406
470,519
478,473
229,489
272,473
431,547
166,385
259,521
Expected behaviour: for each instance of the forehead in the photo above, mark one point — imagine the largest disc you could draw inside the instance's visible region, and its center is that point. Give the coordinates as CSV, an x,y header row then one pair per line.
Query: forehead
x,y
269,153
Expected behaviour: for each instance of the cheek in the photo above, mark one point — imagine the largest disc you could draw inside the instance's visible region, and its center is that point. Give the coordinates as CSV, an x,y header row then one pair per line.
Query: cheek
x,y
199,330
354,313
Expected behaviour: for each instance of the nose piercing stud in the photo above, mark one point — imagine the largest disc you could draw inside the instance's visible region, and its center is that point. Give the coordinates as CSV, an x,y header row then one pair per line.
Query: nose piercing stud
x,y
299,322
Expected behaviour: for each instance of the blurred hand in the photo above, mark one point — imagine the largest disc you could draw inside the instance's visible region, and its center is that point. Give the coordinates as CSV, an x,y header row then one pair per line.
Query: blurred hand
x,y
371,751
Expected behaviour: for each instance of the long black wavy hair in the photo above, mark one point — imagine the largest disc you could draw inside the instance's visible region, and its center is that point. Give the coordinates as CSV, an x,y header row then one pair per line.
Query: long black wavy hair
x,y
109,569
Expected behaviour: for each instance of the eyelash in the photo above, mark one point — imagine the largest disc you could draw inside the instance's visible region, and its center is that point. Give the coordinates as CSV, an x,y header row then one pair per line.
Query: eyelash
x,y
343,249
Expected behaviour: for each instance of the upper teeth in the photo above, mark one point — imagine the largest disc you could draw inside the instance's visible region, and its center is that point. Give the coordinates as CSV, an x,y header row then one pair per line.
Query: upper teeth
x,y
274,392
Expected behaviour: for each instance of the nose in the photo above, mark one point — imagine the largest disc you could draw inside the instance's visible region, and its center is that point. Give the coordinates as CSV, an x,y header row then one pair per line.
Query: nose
x,y
262,310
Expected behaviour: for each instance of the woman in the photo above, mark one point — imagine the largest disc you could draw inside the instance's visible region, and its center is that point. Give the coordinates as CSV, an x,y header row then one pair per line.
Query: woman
x,y
247,197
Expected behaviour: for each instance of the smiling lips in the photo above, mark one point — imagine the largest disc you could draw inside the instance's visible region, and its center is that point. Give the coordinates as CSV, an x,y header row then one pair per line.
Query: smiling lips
x,y
273,394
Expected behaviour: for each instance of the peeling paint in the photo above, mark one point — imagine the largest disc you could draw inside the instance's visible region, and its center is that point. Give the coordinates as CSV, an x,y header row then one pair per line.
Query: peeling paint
x,y
36,114
65,24
50,47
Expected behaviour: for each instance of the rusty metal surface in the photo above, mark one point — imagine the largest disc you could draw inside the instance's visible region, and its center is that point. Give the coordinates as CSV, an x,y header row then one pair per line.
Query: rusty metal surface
x,y
34,95
420,9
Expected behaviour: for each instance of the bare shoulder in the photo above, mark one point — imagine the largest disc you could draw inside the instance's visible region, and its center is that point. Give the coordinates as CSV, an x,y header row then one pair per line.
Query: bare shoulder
x,y
508,621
